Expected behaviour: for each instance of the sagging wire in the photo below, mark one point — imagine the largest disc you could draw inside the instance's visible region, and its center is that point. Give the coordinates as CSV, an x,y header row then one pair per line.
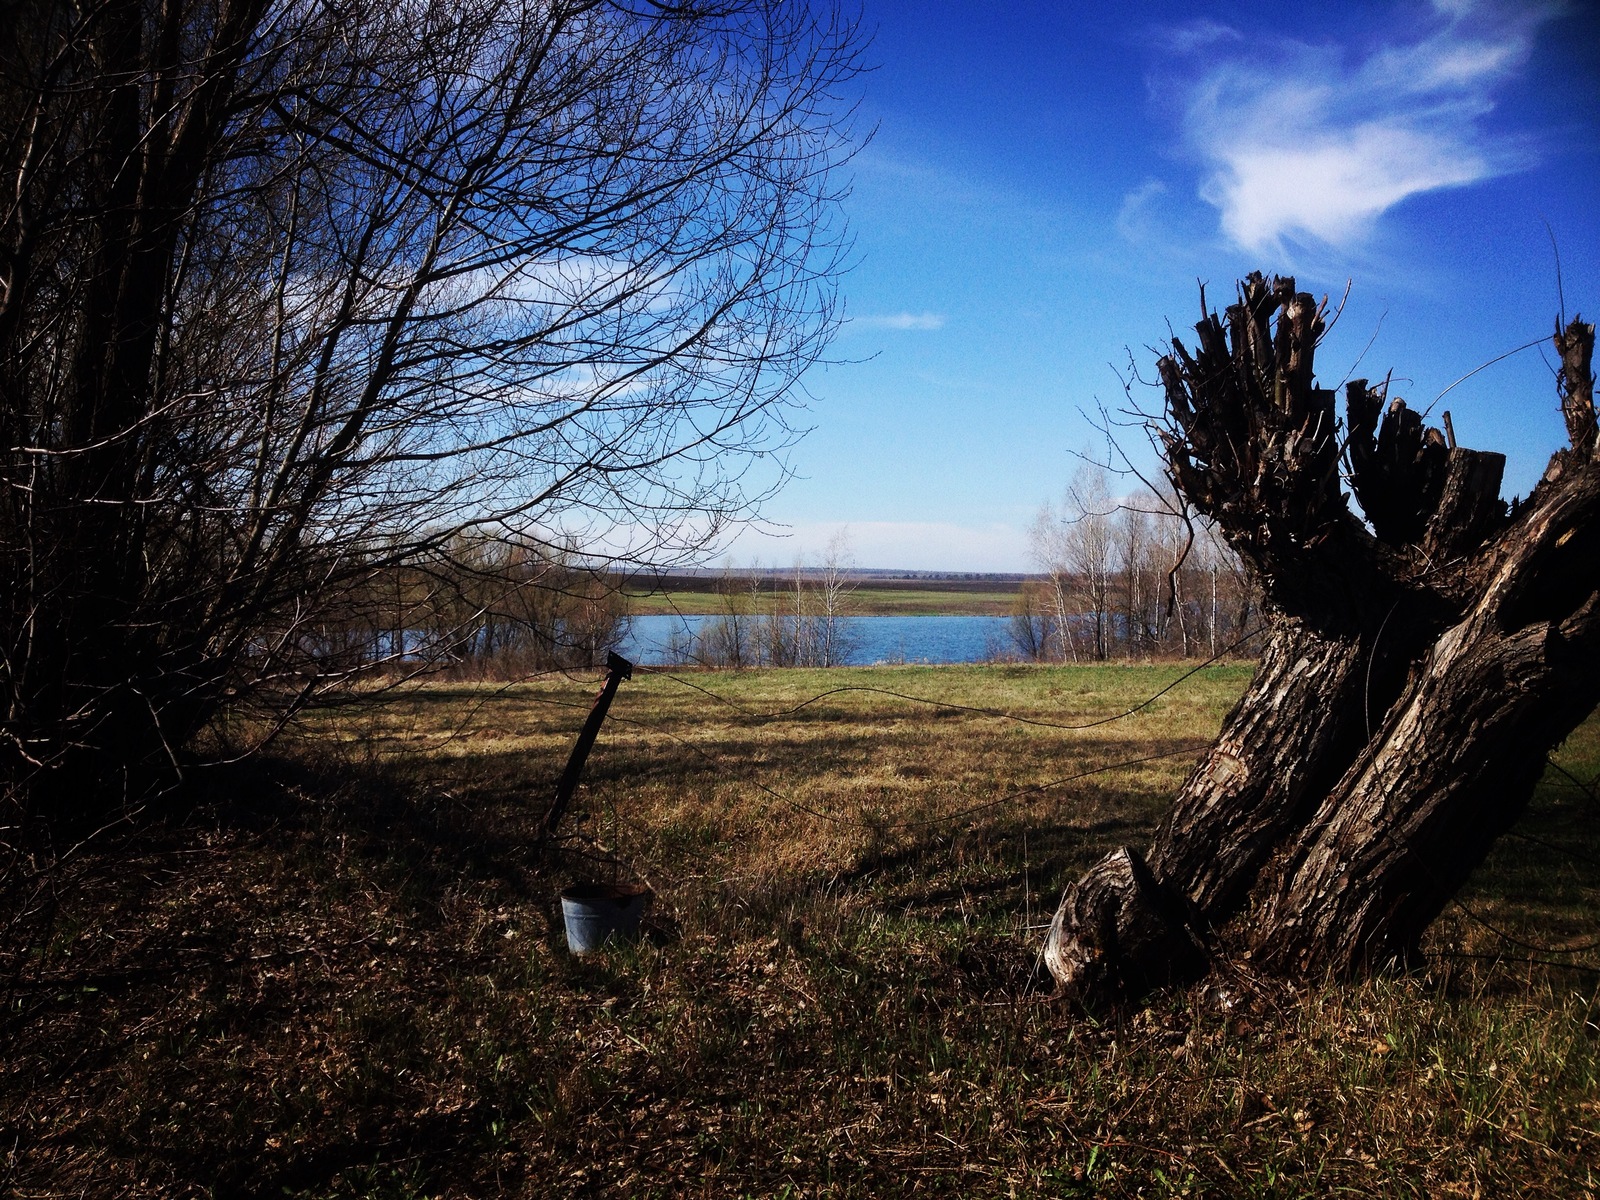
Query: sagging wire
x,y
1532,947
1538,341
1586,788
959,814
1385,831
996,713
1020,793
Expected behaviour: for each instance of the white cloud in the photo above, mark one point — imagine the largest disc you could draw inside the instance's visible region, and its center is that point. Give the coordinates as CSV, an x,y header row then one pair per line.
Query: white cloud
x,y
1335,188
1313,143
902,320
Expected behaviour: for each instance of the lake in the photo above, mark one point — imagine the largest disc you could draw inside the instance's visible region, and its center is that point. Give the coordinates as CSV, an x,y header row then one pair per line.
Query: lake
x,y
942,639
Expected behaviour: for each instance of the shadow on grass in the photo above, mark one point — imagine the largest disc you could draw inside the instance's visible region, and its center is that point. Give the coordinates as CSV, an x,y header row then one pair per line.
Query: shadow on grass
x,y
336,978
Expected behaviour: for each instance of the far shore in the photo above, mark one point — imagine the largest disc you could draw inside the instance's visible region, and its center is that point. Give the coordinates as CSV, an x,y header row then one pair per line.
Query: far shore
x,y
873,594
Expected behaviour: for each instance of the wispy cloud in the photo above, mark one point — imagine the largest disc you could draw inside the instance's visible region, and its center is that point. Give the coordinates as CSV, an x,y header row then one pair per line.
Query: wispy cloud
x,y
1200,34
901,320
1135,220
1315,142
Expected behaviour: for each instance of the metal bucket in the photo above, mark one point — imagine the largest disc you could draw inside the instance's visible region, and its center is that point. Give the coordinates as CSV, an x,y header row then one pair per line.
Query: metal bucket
x,y
597,911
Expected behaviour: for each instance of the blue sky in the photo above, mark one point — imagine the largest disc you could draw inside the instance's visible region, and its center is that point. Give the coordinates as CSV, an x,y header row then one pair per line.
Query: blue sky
x,y
1047,182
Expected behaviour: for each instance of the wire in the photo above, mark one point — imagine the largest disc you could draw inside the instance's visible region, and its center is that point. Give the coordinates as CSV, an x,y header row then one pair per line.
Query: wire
x,y
856,822
1018,794
1548,845
498,692
1586,788
1407,850
840,819
998,714
1515,940
1575,855
1540,962
1054,783
1482,367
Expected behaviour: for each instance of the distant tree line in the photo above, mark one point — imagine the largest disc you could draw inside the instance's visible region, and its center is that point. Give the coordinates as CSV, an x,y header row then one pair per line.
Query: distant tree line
x,y
1127,577
482,608
771,621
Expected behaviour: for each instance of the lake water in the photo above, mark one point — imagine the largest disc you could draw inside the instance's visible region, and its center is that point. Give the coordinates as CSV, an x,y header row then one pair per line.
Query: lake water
x,y
946,639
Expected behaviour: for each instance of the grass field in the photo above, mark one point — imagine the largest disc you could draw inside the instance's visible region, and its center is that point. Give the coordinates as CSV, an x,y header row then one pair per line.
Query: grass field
x,y
901,598
344,976
864,602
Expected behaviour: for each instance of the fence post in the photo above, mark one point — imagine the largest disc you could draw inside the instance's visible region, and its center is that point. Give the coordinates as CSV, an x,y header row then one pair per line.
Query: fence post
x,y
617,669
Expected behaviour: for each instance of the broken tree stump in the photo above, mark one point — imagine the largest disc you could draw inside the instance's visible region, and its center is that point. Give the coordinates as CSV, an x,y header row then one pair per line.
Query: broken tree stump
x,y
1417,666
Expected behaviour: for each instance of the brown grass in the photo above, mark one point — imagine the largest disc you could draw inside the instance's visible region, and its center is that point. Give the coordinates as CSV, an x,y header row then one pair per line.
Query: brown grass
x,y
344,975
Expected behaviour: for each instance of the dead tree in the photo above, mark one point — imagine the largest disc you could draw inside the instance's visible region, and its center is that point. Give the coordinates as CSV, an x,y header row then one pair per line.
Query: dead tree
x,y
1414,675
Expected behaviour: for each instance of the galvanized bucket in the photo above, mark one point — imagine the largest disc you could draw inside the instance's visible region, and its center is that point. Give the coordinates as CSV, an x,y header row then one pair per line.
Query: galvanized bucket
x,y
595,912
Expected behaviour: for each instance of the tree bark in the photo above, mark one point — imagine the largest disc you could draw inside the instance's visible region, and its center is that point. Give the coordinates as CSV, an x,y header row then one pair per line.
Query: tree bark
x,y
1456,760
1417,667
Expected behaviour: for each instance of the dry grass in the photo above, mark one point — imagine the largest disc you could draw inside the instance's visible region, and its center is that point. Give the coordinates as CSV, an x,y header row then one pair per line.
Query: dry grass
x,y
344,976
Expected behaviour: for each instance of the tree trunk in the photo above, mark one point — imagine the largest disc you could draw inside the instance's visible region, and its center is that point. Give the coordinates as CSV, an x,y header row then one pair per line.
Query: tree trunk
x,y
1414,676
1456,760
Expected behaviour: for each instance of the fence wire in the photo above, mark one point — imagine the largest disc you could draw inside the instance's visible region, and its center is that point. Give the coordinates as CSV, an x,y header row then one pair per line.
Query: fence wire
x,y
1011,797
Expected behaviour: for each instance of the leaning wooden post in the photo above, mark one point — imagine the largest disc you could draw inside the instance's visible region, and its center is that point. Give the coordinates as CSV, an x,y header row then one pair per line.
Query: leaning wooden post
x,y
617,669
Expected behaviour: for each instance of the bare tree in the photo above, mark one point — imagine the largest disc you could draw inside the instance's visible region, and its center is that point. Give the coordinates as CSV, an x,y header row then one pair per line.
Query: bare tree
x,y
293,293
833,587
1140,625
1076,549
726,639
1413,678
1034,620
1144,561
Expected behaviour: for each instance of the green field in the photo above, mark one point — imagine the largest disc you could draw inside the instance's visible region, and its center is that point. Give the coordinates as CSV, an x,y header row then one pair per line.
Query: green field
x,y
344,975
865,602
887,598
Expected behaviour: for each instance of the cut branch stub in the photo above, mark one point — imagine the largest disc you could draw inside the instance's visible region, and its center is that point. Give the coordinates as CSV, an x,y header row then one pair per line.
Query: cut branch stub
x,y
1575,346
1397,468
1415,487
1251,442
1119,933
1469,509
1299,326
